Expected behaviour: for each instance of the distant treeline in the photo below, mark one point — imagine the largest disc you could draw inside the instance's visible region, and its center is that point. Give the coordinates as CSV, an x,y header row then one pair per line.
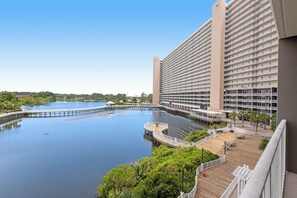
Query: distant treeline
x,y
12,101
95,97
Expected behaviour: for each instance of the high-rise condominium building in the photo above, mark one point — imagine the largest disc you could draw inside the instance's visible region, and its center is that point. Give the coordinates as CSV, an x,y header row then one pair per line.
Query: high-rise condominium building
x,y
229,63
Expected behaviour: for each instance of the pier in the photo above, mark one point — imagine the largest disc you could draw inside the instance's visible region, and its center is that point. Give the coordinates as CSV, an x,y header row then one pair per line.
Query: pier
x,y
69,112
158,131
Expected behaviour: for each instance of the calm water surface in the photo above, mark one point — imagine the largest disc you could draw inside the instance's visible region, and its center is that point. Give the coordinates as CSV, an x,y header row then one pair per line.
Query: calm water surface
x,y
65,105
71,160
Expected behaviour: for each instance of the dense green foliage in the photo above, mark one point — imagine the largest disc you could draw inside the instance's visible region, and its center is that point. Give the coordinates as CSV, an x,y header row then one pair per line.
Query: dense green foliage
x,y
156,176
8,103
263,144
34,99
218,126
95,97
45,97
196,135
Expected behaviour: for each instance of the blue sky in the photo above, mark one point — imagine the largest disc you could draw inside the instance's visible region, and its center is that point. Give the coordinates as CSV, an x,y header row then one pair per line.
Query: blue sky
x,y
87,46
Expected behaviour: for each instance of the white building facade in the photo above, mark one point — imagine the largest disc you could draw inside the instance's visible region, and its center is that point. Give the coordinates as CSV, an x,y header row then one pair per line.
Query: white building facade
x,y
229,63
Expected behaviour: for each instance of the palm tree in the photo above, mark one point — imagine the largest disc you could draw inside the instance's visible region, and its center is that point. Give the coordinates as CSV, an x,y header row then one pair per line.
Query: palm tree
x,y
255,118
248,115
273,122
263,119
233,116
242,115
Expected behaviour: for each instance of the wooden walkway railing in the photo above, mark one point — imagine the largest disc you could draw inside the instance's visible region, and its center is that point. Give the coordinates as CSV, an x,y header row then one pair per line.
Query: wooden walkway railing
x,y
157,129
200,169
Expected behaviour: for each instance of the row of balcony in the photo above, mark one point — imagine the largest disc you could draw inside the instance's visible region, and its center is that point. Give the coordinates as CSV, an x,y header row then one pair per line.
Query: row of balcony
x,y
251,94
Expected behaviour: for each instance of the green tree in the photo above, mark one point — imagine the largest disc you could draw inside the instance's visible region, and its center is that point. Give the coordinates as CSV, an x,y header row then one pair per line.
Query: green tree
x,y
233,117
161,175
6,96
8,102
263,119
255,119
134,100
242,115
150,98
118,179
273,122
143,97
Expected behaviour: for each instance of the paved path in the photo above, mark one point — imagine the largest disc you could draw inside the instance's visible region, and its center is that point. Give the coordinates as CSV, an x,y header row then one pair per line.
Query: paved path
x,y
249,130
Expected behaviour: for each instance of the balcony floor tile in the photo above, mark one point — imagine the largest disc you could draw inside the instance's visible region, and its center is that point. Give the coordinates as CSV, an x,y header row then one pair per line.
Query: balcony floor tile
x,y
290,185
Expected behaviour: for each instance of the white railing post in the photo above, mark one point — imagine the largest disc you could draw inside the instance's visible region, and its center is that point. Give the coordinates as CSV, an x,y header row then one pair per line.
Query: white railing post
x,y
283,157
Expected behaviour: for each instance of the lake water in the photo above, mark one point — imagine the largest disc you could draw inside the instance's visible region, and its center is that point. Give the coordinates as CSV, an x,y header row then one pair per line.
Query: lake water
x,y
64,158
65,105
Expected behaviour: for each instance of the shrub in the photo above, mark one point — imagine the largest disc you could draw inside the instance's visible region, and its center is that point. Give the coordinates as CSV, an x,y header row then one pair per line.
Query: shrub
x,y
156,176
263,144
196,135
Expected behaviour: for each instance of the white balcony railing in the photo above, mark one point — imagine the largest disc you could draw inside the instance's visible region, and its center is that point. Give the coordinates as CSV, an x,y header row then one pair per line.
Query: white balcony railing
x,y
268,176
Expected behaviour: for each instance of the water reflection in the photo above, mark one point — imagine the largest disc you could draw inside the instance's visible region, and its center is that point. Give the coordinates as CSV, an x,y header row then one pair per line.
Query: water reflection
x,y
150,139
178,126
10,125
71,161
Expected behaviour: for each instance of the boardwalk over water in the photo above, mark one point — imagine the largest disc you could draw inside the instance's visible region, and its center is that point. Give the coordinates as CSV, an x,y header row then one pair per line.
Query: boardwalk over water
x,y
70,112
157,130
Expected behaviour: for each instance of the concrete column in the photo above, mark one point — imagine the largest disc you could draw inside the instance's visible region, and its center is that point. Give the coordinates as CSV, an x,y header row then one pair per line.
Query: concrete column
x,y
217,56
287,96
156,81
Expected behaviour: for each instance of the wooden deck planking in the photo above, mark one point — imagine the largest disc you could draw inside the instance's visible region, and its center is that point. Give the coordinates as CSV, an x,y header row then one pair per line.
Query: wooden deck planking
x,y
219,177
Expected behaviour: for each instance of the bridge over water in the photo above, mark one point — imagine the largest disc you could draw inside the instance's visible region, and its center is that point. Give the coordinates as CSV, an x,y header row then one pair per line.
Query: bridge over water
x,y
69,112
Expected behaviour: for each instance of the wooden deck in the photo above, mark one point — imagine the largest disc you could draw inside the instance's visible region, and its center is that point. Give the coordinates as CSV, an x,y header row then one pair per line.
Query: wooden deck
x,y
218,178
